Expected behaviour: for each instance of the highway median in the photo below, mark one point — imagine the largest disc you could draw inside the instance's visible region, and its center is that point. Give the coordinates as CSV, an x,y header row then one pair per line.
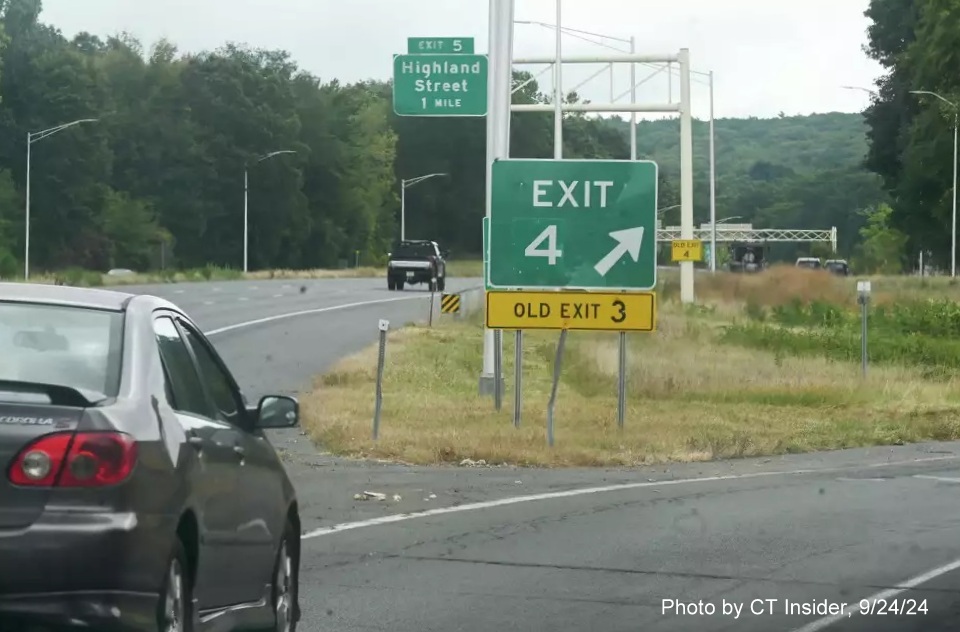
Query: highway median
x,y
765,364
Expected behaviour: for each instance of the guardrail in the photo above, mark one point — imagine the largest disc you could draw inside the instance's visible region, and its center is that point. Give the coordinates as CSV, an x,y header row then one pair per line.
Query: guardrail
x,y
456,304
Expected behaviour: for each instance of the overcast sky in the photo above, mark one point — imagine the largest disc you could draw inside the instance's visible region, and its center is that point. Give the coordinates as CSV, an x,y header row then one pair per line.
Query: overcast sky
x,y
768,56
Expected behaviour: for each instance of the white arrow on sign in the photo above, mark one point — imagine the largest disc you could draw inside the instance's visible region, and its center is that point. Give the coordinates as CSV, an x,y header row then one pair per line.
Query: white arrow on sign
x,y
629,240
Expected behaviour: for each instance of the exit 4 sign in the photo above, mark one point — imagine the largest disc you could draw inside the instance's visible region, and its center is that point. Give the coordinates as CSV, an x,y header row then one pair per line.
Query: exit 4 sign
x,y
574,224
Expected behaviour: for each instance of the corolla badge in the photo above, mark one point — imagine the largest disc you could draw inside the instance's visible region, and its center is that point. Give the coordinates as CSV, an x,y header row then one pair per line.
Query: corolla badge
x,y
26,421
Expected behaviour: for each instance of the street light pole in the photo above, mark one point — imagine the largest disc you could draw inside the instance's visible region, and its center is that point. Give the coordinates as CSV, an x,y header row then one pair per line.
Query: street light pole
x,y
246,206
33,137
558,92
633,100
713,189
404,185
953,230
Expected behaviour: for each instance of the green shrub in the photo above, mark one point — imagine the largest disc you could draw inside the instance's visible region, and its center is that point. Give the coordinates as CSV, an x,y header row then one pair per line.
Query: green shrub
x,y
79,277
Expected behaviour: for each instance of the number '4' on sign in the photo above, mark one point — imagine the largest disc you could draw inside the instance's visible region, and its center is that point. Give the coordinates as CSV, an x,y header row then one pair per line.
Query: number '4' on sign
x,y
551,252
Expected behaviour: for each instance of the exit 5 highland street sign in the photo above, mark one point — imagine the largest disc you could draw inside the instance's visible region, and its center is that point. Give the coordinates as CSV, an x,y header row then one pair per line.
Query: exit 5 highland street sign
x,y
451,84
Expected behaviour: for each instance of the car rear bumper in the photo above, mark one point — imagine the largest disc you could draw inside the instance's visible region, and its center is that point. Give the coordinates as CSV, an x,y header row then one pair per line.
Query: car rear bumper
x,y
102,571
115,611
418,275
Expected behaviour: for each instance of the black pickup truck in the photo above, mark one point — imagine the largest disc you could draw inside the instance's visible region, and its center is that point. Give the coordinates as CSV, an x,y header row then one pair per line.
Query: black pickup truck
x,y
417,262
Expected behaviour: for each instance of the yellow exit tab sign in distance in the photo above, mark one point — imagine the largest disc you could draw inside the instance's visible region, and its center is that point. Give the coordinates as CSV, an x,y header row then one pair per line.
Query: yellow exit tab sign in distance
x,y
590,311
686,250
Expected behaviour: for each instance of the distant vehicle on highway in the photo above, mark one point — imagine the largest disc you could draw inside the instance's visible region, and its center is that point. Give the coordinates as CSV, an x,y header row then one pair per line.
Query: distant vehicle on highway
x,y
839,267
415,262
748,257
136,484
812,263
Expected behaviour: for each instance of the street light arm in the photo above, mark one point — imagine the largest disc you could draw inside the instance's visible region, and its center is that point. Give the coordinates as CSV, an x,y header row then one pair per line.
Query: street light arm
x,y
934,94
860,88
275,153
406,184
570,30
567,30
727,219
36,136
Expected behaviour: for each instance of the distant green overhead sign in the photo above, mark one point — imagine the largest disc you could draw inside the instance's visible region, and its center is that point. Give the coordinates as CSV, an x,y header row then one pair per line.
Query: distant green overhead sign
x,y
440,85
440,45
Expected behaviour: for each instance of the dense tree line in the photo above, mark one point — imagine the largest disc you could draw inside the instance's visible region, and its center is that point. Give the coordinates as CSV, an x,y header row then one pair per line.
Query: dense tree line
x,y
784,172
911,135
158,179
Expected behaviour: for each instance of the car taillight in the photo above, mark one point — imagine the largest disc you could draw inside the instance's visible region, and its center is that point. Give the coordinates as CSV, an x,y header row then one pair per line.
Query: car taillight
x,y
83,459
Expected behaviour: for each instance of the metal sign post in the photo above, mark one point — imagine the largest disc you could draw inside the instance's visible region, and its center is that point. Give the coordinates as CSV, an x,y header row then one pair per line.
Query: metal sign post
x,y
517,378
383,326
622,380
863,298
498,370
552,404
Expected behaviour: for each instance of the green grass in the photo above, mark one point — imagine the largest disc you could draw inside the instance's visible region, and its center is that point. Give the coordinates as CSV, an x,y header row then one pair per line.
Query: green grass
x,y
922,333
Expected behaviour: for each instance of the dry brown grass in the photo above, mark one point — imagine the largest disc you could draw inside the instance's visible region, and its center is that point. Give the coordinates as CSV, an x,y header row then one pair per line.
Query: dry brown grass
x,y
689,398
777,286
782,284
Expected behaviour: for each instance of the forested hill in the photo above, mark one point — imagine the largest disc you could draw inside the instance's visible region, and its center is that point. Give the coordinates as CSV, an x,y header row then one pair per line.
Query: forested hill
x,y
802,143
785,172
158,178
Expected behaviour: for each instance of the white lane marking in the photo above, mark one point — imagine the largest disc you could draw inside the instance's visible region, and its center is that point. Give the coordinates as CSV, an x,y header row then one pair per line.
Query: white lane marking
x,y
319,310
208,302
943,479
254,287
854,480
178,291
216,289
242,298
278,296
884,595
514,500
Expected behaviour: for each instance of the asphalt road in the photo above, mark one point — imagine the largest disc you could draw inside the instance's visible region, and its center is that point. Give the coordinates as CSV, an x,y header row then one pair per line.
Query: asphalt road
x,y
503,548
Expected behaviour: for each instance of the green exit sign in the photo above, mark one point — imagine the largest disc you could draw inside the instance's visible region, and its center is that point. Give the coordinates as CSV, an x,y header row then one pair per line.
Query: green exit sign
x,y
440,85
573,224
440,45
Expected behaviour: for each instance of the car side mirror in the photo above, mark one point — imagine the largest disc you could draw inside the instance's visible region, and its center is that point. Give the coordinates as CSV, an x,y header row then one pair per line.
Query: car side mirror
x,y
278,411
444,253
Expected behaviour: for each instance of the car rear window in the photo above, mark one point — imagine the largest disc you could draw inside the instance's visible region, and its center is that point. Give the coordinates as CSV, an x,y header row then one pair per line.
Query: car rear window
x,y
65,345
414,250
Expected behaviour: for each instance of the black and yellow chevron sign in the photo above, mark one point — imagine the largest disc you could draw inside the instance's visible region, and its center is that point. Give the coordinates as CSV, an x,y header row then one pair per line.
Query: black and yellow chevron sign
x,y
450,304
